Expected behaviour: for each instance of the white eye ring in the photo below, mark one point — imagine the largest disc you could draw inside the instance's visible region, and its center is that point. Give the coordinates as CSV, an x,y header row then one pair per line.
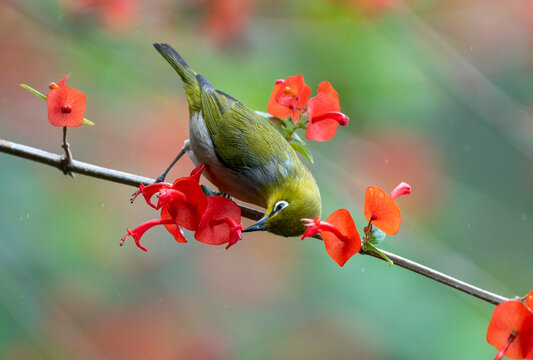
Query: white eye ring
x,y
280,205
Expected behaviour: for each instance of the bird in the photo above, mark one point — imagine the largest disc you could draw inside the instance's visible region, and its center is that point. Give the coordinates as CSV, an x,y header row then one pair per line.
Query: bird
x,y
245,156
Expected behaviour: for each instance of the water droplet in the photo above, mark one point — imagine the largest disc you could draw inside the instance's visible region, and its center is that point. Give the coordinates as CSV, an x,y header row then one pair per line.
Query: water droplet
x,y
523,216
363,270
386,161
103,205
27,215
468,225
471,47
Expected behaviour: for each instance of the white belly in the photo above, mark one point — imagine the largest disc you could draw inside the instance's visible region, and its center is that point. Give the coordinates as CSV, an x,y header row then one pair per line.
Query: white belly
x,y
202,152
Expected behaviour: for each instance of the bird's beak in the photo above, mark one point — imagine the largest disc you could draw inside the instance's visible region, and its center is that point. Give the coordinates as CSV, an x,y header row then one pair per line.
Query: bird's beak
x,y
260,225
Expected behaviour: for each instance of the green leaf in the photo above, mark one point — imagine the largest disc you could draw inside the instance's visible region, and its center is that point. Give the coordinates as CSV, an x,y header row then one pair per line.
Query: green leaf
x,y
377,235
88,122
288,124
368,246
207,191
301,125
299,139
288,132
274,119
33,91
264,114
305,152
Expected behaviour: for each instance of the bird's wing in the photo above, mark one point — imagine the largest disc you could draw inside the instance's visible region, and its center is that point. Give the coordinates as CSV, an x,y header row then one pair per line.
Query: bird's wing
x,y
243,139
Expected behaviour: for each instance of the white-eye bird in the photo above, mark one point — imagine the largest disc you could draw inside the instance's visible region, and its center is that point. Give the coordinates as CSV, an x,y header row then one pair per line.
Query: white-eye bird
x,y
246,156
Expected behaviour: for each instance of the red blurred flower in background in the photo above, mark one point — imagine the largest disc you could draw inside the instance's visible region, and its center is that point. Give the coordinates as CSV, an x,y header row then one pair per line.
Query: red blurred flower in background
x,y
66,106
289,97
339,233
113,15
226,21
324,114
511,329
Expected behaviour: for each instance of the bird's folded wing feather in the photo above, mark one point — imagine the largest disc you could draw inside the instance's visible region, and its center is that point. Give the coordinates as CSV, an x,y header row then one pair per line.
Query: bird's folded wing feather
x,y
243,139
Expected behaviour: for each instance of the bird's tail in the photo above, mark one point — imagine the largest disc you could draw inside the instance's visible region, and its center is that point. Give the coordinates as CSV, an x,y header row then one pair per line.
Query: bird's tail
x,y
188,75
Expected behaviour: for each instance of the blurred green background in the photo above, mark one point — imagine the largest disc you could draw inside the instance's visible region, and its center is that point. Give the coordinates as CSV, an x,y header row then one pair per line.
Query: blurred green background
x,y
439,95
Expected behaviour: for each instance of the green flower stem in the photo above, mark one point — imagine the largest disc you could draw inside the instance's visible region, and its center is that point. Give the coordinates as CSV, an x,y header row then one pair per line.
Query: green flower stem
x,y
33,91
368,246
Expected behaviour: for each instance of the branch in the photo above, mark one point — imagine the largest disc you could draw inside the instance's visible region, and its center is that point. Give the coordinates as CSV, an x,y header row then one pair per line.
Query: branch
x,y
83,168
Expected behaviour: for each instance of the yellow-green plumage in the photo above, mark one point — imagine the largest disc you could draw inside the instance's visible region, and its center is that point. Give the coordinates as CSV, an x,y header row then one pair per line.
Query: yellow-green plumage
x,y
246,156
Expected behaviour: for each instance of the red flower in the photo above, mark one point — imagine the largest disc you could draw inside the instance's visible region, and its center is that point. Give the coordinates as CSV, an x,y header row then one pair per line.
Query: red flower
x,y
403,188
227,20
289,97
381,210
339,233
220,223
65,104
324,114
185,202
511,330
114,15
182,205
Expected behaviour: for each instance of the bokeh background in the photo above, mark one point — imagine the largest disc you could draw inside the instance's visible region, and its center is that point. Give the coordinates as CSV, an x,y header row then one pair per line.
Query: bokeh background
x,y
439,95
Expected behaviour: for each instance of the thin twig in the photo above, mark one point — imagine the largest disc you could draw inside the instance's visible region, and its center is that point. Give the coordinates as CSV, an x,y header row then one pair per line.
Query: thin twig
x,y
68,155
54,160
79,167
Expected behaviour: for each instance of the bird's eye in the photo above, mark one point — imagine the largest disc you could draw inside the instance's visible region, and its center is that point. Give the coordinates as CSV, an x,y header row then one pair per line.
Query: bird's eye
x,y
280,205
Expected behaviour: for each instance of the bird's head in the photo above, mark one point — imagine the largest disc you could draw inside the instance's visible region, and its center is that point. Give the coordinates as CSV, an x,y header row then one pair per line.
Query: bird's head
x,y
287,205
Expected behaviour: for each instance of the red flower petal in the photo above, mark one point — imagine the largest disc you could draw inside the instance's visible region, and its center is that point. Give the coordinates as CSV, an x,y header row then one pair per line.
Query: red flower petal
x,y
66,106
139,231
197,172
288,97
529,300
149,191
171,226
324,114
189,212
322,130
221,222
313,227
275,109
382,210
509,316
341,245
62,82
403,188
